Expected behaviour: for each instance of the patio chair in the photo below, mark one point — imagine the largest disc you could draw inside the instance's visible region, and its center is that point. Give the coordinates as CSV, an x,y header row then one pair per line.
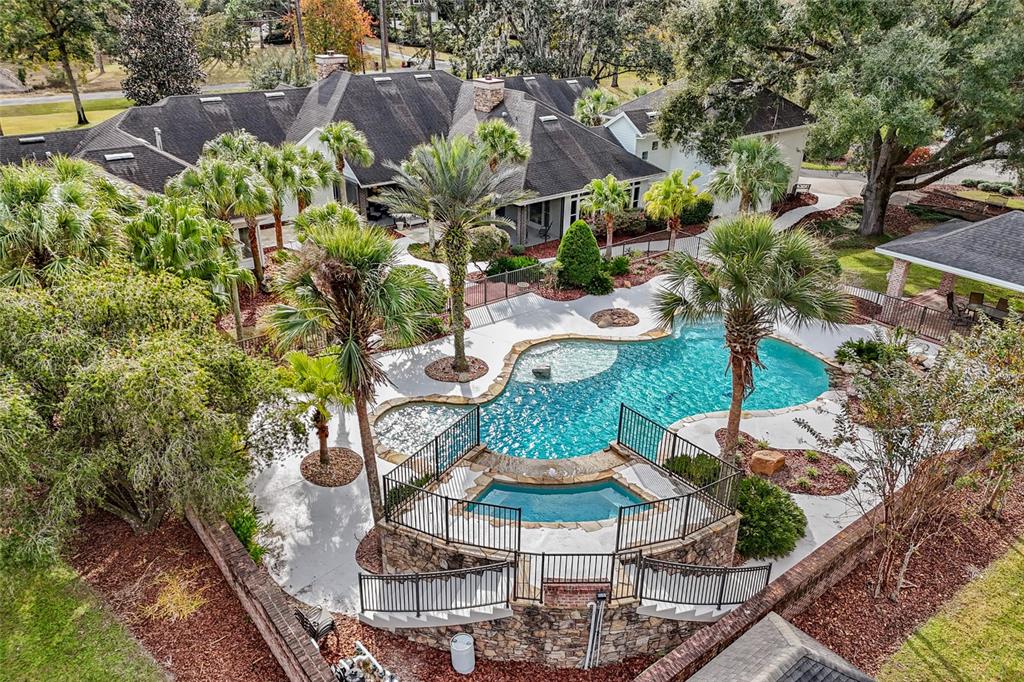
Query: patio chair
x,y
1003,305
317,622
957,311
545,232
976,299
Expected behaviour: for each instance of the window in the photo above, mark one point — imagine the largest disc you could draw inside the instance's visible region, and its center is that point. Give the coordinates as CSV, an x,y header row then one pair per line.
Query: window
x,y
643,155
574,209
654,145
636,195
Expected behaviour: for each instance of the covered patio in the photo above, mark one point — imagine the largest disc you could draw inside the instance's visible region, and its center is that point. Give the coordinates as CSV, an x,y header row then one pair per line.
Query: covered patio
x,y
990,251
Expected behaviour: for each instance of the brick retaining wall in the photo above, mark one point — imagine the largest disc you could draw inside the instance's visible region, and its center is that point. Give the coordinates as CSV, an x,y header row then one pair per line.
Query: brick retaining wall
x,y
265,602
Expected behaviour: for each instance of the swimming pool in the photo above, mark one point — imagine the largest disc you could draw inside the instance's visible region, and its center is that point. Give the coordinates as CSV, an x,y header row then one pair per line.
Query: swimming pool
x,y
552,503
576,411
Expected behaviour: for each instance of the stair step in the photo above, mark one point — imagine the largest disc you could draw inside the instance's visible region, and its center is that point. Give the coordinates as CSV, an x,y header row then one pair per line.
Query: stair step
x,y
393,621
686,612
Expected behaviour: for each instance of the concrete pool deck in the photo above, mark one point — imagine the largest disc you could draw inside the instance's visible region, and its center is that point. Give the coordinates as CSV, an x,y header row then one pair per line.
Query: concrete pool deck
x,y
317,530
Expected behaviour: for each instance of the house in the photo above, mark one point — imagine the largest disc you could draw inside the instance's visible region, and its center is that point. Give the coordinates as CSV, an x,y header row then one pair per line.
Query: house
x,y
147,145
774,117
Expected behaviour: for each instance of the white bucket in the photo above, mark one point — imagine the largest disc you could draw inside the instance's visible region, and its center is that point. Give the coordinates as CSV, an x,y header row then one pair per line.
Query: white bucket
x,y
463,655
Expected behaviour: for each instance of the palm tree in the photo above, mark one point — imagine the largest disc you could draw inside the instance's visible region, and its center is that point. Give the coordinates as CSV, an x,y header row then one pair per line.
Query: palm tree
x,y
58,217
451,182
315,172
319,382
502,143
754,278
347,281
667,199
174,234
608,199
591,104
347,142
756,169
279,169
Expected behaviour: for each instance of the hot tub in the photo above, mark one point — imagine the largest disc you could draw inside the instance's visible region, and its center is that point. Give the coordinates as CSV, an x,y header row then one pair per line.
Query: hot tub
x,y
577,502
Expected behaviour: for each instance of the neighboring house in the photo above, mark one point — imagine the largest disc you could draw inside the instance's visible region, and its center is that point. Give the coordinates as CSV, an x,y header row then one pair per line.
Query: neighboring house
x,y
774,650
774,117
147,145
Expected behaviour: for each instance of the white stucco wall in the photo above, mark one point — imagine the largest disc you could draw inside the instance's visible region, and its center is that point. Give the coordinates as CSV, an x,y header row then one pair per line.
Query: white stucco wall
x,y
325,194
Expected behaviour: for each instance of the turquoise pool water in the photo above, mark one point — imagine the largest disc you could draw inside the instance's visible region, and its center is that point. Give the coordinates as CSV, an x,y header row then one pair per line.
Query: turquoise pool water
x,y
576,411
551,503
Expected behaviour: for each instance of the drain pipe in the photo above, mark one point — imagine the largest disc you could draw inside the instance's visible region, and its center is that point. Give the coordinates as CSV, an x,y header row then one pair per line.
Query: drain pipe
x,y
594,636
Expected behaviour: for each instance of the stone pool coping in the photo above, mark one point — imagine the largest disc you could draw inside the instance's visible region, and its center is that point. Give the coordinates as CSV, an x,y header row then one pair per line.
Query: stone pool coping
x,y
505,375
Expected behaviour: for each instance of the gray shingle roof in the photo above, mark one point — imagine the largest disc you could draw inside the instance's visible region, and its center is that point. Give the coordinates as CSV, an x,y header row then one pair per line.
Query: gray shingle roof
x,y
557,93
148,168
992,248
774,650
18,148
771,111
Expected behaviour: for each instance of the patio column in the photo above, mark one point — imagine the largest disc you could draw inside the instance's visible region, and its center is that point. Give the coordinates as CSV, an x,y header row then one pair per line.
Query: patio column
x,y
522,215
361,200
947,283
897,278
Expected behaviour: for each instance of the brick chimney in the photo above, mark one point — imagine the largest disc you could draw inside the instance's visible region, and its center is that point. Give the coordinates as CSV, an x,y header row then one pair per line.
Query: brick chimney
x,y
488,93
328,63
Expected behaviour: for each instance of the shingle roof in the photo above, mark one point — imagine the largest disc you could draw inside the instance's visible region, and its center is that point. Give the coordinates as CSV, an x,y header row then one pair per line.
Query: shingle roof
x,y
18,148
776,651
557,93
771,111
148,168
991,248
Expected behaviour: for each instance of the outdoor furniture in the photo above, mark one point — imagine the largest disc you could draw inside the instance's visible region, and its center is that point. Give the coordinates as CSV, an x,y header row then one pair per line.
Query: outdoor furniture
x,y
317,622
1003,304
957,311
545,232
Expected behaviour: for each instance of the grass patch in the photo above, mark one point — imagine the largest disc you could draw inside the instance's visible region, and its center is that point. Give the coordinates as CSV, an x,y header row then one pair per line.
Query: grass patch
x,y
54,628
422,251
991,198
811,165
978,635
43,117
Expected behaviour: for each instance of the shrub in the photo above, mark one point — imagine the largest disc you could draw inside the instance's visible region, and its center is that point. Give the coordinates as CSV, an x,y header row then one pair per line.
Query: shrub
x,y
812,472
268,70
1006,191
846,471
970,182
517,249
772,522
699,211
803,483
762,444
488,242
579,255
510,263
630,223
700,470
811,456
245,522
878,351
617,267
600,284
988,187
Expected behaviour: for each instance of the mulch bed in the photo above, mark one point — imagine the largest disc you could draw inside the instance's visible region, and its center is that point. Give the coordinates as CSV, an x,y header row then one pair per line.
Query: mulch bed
x,y
802,199
217,642
827,482
867,631
639,272
419,663
898,220
557,294
614,317
443,370
938,197
345,466
550,249
368,552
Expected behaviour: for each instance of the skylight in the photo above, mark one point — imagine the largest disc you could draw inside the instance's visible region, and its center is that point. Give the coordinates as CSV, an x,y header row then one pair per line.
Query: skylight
x,y
548,119
572,81
382,79
652,114
273,95
32,140
208,100
422,76
529,78
119,156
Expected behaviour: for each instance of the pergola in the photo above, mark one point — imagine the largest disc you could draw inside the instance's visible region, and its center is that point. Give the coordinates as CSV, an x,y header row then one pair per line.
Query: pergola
x,y
990,251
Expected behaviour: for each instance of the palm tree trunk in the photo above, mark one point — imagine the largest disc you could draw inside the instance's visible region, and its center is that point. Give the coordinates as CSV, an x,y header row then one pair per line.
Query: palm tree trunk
x,y
732,428
279,228
369,459
321,434
673,227
609,226
236,310
455,252
745,201
257,252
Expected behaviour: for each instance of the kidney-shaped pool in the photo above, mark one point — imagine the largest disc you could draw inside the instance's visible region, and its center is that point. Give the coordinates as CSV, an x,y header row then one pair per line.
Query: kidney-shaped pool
x,y
576,410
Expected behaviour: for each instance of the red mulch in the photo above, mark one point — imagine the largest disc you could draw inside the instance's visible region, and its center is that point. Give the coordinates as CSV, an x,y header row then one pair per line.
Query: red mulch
x,y
556,294
217,642
867,631
827,482
420,663
254,303
938,197
802,199
898,220
639,272
550,249
368,552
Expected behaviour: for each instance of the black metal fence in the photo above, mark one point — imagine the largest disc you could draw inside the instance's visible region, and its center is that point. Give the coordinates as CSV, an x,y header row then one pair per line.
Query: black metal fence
x,y
463,588
716,586
264,345
504,285
441,453
645,249
929,323
616,572
713,480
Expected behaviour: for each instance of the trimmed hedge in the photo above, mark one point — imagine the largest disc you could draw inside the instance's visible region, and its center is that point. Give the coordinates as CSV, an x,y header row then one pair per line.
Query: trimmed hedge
x,y
510,263
772,522
488,242
578,255
699,211
617,266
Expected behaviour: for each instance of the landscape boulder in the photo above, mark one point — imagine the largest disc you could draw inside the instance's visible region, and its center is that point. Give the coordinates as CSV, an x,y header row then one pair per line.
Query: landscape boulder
x,y
767,462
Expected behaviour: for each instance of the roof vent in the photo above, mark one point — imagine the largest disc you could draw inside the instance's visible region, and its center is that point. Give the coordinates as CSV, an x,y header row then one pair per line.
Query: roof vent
x,y
209,100
572,81
118,156
529,78
32,140
382,79
548,119
652,114
273,95
422,76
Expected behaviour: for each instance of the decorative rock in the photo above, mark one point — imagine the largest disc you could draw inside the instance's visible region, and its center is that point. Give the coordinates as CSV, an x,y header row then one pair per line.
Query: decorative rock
x,y
850,368
542,372
767,462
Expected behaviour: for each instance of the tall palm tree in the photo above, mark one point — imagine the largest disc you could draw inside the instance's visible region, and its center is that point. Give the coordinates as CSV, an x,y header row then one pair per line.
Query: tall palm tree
x,y
58,217
315,172
608,199
451,182
591,104
174,234
753,279
347,143
279,169
347,281
319,383
502,143
756,169
667,199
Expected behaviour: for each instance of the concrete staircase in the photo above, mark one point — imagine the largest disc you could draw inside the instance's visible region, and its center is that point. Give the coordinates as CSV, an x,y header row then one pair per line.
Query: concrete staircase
x,y
444,599
690,612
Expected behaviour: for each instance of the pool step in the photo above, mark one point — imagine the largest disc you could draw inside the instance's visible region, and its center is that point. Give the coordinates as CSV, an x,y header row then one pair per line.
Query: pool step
x,y
687,612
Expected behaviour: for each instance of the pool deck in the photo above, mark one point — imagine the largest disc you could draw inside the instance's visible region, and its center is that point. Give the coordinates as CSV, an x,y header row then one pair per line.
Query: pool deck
x,y
317,530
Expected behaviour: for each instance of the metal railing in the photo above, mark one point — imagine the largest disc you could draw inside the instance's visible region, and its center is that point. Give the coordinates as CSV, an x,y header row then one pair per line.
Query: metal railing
x,y
441,453
263,345
504,285
713,480
716,586
463,588
645,249
615,572
932,324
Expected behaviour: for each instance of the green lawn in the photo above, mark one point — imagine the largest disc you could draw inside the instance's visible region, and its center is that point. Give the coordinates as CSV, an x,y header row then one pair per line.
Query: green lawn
x,y
978,636
27,119
54,628
991,198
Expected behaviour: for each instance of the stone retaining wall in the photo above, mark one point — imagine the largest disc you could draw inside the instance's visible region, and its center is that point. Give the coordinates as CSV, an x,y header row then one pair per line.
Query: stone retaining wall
x,y
265,602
